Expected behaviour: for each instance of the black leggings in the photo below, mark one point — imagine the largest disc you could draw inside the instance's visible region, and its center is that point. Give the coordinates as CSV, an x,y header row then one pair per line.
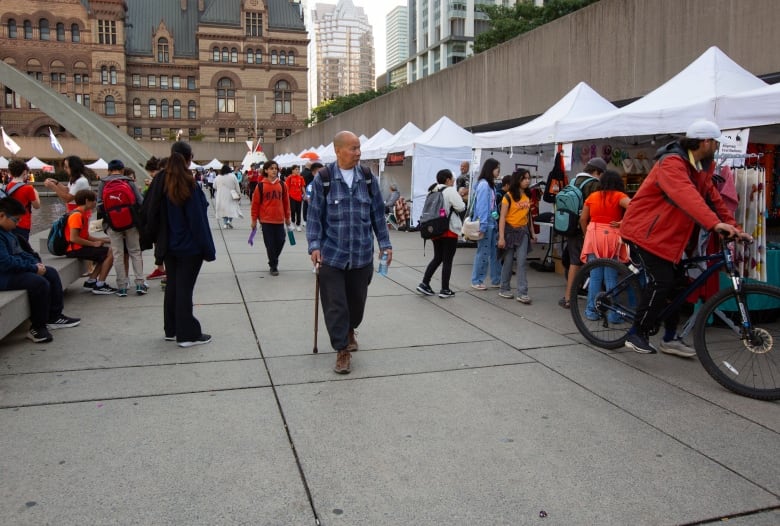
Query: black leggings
x,y
443,254
295,212
666,281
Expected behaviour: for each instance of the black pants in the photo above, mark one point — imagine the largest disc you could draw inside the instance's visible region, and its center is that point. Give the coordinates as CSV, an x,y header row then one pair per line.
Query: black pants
x,y
178,319
443,254
44,293
666,281
343,294
295,211
273,237
305,209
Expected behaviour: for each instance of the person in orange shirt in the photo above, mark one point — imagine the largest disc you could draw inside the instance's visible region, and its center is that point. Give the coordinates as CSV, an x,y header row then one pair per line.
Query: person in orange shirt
x,y
82,245
18,189
296,186
271,206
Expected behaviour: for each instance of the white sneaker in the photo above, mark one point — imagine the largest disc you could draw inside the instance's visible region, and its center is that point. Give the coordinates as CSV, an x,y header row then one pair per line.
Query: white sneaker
x,y
677,347
298,228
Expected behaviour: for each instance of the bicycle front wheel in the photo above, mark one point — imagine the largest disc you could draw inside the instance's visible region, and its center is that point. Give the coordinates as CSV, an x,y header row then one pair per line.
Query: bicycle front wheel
x,y
613,293
742,357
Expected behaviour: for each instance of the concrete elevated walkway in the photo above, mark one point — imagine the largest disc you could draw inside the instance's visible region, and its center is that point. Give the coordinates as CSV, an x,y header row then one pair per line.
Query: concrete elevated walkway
x,y
470,410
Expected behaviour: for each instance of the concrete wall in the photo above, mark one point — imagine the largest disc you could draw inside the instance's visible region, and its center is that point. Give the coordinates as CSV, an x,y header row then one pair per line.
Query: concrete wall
x,y
622,48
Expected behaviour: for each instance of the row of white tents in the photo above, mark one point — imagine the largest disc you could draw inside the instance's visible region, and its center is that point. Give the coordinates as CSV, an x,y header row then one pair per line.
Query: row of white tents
x,y
712,87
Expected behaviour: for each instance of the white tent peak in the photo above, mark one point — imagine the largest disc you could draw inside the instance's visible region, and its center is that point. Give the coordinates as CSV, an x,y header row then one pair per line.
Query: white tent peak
x,y
403,136
444,133
37,164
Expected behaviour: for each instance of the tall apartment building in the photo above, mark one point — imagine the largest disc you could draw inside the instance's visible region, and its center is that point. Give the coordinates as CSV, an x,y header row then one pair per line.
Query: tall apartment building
x,y
344,46
441,33
397,39
154,67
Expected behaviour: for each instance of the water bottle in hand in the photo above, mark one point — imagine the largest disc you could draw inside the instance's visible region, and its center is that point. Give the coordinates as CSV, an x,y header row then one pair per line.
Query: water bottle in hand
x,y
382,270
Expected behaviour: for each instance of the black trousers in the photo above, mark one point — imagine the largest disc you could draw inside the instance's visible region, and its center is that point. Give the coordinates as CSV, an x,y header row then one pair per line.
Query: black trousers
x,y
343,294
44,293
178,319
443,254
666,280
295,211
305,209
273,237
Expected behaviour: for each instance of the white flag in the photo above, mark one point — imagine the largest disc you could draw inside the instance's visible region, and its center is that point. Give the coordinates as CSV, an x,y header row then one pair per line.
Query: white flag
x,y
55,143
9,143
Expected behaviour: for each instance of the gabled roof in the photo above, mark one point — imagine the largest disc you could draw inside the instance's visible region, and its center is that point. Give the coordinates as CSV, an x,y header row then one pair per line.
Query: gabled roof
x,y
283,14
222,12
146,15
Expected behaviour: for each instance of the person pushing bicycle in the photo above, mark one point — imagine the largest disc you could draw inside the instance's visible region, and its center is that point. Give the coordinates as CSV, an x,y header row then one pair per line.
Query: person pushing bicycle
x,y
676,196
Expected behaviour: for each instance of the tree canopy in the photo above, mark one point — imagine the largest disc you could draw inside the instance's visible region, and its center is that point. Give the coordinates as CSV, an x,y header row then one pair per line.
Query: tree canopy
x,y
509,22
340,104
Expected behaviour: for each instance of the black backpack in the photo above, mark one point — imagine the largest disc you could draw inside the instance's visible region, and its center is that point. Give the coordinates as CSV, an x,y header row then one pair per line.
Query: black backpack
x,y
56,242
434,220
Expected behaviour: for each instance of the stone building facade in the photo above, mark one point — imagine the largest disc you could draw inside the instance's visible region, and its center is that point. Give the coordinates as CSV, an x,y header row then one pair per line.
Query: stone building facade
x,y
211,70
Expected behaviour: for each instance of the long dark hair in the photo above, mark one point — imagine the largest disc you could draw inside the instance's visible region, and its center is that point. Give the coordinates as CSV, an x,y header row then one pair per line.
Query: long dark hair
x,y
514,184
179,183
610,181
487,172
77,168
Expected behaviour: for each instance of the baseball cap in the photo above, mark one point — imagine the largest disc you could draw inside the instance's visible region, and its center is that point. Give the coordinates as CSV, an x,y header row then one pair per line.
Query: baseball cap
x,y
704,129
597,163
115,165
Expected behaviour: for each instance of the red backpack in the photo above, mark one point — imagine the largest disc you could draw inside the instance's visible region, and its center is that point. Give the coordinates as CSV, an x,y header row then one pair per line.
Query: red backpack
x,y
119,205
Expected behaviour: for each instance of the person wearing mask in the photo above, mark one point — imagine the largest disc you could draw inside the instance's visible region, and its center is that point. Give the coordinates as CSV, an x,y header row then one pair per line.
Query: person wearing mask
x,y
176,220
271,207
484,196
17,188
77,180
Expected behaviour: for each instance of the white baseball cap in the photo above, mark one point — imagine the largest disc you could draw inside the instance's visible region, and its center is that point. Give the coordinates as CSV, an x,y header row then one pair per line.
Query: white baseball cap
x,y
704,129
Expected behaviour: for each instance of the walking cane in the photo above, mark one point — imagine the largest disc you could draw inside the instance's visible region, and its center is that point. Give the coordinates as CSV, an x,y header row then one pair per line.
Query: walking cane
x,y
316,305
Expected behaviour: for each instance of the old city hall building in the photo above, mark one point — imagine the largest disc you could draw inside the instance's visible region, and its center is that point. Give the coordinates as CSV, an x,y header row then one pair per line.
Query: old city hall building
x,y
211,68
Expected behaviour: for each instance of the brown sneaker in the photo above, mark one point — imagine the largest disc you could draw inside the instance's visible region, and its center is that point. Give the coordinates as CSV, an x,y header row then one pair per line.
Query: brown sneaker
x,y
352,344
342,362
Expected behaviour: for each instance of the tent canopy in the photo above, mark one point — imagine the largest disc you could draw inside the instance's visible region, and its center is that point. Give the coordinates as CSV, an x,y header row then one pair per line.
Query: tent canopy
x,y
256,157
690,95
756,107
379,137
404,136
216,164
444,133
37,164
3,163
100,164
582,101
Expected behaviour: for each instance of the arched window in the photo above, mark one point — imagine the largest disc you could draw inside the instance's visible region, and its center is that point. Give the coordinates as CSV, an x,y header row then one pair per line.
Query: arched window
x,y
282,97
225,55
226,96
104,75
274,57
112,72
163,52
291,58
215,54
282,58
43,29
11,28
177,109
152,109
192,112
60,32
164,109
136,107
27,30
250,56
259,56
233,55
110,106
75,33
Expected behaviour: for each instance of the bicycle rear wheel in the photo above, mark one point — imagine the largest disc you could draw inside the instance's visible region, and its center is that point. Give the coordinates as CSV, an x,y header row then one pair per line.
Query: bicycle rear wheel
x,y
606,320
745,360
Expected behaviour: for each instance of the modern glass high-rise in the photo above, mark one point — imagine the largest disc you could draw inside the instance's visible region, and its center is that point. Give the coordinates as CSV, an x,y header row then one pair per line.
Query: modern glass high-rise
x,y
345,50
397,36
441,32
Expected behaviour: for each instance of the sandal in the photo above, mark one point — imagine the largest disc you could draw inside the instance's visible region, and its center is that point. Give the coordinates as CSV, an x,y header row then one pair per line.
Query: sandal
x,y
563,302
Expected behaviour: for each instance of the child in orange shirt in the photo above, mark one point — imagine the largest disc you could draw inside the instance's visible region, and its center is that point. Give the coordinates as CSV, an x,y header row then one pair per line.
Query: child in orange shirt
x,y
82,245
271,206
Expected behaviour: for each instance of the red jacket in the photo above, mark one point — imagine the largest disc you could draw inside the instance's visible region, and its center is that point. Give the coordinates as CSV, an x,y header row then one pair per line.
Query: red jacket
x,y
673,198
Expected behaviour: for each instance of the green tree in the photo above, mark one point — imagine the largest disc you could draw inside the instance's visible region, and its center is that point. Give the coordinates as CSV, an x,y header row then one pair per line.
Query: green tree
x,y
332,107
509,22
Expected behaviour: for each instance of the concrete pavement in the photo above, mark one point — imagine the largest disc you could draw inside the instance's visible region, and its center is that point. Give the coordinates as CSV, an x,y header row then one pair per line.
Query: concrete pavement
x,y
469,410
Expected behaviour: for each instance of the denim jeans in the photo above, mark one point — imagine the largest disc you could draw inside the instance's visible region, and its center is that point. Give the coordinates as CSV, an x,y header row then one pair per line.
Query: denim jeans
x,y
521,253
598,277
486,255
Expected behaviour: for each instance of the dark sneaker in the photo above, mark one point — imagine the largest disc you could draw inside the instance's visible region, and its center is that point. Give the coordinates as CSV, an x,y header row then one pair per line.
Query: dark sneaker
x,y
677,347
63,322
524,298
446,293
274,272
122,293
352,343
342,362
506,294
563,302
41,335
89,285
104,290
204,338
140,290
423,288
640,344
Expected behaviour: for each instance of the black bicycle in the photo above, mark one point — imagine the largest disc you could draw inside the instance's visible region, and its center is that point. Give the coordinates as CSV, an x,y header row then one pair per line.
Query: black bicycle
x,y
735,332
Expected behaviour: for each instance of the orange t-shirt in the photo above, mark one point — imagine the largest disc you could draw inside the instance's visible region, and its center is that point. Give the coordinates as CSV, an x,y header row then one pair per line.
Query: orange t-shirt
x,y
605,206
24,195
80,221
295,186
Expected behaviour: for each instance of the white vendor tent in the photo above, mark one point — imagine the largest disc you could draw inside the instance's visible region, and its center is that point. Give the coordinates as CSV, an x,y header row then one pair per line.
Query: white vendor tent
x,y
756,107
405,135
376,139
690,95
255,157
194,165
216,164
328,154
582,101
100,164
37,164
3,163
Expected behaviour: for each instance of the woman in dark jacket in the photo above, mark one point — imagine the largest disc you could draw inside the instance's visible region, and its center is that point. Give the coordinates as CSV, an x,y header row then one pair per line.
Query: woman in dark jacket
x,y
176,221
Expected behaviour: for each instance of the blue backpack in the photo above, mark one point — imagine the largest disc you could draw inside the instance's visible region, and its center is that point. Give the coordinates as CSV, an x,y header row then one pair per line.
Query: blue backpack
x,y
56,242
